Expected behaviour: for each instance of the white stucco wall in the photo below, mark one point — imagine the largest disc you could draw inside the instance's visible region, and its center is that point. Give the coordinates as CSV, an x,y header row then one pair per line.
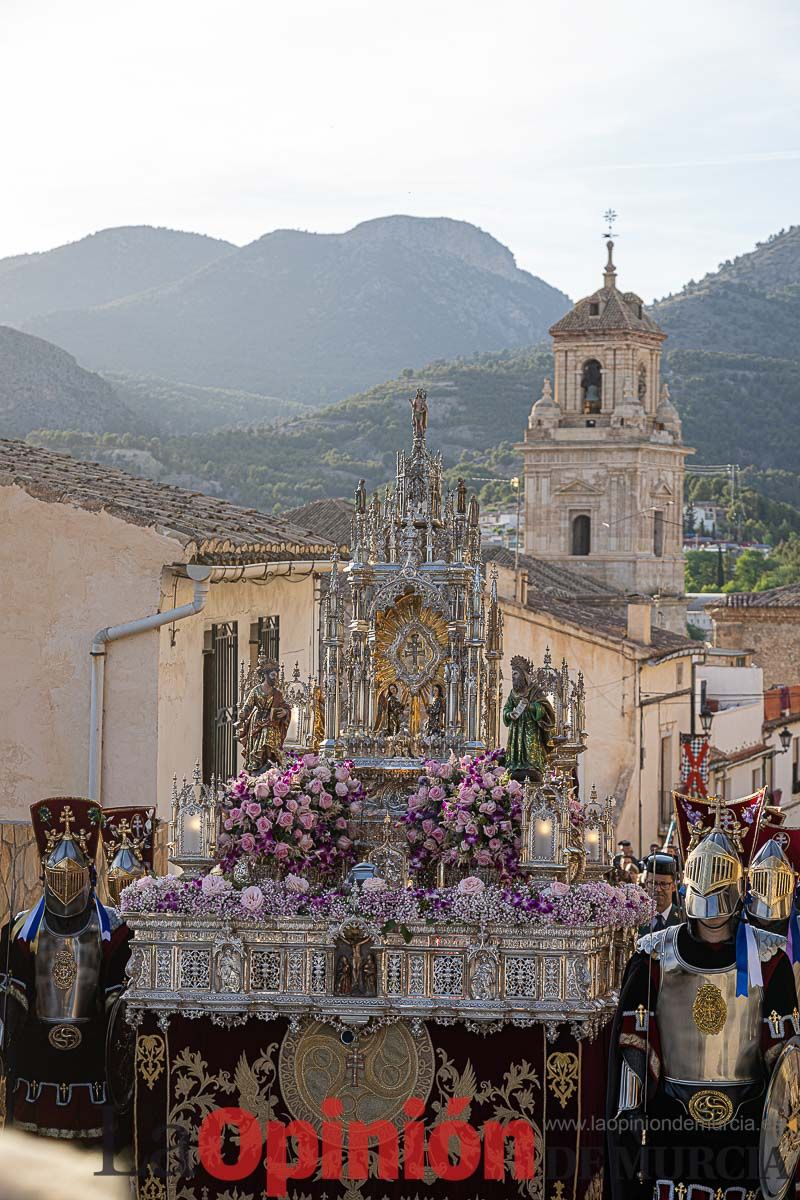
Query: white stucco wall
x,y
287,594
66,572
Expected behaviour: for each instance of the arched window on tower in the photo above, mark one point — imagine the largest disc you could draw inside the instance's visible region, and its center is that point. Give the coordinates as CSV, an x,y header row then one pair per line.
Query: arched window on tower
x,y
592,386
581,534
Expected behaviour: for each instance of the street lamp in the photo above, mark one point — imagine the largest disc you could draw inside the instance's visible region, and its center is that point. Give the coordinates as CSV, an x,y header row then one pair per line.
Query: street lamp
x,y
785,737
706,717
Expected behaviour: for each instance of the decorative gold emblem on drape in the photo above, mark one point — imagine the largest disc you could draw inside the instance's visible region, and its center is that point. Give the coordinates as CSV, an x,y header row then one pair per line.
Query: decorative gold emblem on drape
x,y
150,1056
563,1076
153,1188
373,1077
709,1011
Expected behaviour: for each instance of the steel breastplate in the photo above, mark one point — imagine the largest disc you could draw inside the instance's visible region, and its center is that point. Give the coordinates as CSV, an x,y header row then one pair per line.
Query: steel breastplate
x,y
708,1034
68,974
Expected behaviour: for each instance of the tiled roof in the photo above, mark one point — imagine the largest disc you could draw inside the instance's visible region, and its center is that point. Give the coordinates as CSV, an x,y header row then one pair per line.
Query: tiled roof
x,y
552,578
329,519
608,620
211,530
787,596
715,755
619,312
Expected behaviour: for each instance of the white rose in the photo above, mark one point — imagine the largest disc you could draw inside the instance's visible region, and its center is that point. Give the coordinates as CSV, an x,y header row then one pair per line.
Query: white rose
x,y
374,884
296,884
470,885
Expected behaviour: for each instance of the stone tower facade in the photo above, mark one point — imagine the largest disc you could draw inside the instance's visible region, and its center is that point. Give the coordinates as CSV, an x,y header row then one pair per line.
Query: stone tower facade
x,y
604,459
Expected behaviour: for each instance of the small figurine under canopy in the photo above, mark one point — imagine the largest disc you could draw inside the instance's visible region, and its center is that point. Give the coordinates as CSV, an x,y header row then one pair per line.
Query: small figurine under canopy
x,y
530,720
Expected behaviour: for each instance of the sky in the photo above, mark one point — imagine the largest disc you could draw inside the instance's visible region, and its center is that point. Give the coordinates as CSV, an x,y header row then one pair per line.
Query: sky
x,y
529,119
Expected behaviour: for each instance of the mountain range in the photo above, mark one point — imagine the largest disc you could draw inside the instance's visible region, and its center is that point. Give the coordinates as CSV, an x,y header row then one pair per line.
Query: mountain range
x,y
304,316
732,361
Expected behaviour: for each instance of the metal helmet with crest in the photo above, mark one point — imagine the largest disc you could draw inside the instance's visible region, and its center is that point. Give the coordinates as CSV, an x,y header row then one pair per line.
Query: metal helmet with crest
x,y
67,830
772,883
713,875
128,846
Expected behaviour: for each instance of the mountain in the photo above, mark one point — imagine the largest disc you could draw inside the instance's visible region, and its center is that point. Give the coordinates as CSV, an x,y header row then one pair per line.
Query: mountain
x,y
315,317
43,386
751,305
187,408
99,269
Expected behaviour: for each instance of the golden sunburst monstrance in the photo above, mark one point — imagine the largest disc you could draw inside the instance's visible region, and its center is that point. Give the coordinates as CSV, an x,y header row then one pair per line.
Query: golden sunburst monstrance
x,y
410,651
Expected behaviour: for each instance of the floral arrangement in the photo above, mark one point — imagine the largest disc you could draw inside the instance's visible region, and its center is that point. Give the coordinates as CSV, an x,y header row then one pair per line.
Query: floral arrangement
x,y
294,816
466,814
471,901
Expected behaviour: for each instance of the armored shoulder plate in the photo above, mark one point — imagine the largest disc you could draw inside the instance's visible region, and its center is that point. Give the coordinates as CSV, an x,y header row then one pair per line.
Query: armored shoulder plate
x,y
653,943
768,943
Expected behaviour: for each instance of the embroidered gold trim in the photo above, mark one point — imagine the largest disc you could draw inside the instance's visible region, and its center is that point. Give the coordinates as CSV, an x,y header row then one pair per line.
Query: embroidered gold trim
x,y
150,1055
562,1076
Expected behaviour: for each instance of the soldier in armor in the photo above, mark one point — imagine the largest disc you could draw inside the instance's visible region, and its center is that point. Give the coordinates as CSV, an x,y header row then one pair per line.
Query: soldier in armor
x,y
62,965
705,1008
128,847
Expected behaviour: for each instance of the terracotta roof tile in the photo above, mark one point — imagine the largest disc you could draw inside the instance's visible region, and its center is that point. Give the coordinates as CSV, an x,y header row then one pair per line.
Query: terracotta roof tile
x,y
329,519
787,596
619,311
211,530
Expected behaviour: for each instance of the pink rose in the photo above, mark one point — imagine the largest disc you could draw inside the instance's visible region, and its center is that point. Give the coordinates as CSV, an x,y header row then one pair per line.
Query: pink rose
x,y
214,885
343,843
296,884
263,825
235,814
375,884
436,792
326,801
471,829
495,844
483,858
307,820
490,830
281,850
281,788
285,820
497,793
292,804
430,844
341,789
315,786
322,772
513,787
559,889
253,810
303,800
252,899
227,824
262,790
470,885
427,826
438,834
310,761
306,843
248,843
342,774
341,823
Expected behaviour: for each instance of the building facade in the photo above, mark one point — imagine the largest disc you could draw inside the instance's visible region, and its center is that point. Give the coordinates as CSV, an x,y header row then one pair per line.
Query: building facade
x,y
603,454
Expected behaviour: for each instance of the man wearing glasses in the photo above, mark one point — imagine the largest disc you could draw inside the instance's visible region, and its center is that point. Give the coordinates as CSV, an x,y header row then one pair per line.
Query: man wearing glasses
x,y
659,881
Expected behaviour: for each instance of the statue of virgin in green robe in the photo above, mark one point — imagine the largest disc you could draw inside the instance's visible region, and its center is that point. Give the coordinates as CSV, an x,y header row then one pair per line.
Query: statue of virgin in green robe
x,y
530,720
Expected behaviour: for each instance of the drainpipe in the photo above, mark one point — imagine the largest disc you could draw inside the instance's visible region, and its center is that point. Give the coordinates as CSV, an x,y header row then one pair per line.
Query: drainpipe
x,y
202,582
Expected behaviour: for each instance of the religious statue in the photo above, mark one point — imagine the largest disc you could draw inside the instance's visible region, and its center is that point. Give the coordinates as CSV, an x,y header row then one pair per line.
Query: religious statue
x,y
461,496
370,976
530,719
419,413
264,721
483,985
435,710
391,711
343,985
361,497
474,512
63,965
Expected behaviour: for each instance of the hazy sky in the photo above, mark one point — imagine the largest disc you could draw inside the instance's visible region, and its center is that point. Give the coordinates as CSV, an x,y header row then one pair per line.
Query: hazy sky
x,y
527,118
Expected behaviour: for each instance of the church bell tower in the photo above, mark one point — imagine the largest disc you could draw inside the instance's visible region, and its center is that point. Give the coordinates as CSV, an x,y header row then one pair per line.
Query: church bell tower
x,y
604,459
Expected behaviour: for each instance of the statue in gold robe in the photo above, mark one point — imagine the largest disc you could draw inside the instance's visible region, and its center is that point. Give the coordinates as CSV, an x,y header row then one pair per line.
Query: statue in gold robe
x,y
263,722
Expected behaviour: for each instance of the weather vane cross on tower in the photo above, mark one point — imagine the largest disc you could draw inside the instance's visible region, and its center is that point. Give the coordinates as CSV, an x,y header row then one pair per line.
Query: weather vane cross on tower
x,y
610,217
610,272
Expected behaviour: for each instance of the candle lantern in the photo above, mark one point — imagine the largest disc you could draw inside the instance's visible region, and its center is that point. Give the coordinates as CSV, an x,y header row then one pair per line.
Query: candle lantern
x,y
598,833
194,824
